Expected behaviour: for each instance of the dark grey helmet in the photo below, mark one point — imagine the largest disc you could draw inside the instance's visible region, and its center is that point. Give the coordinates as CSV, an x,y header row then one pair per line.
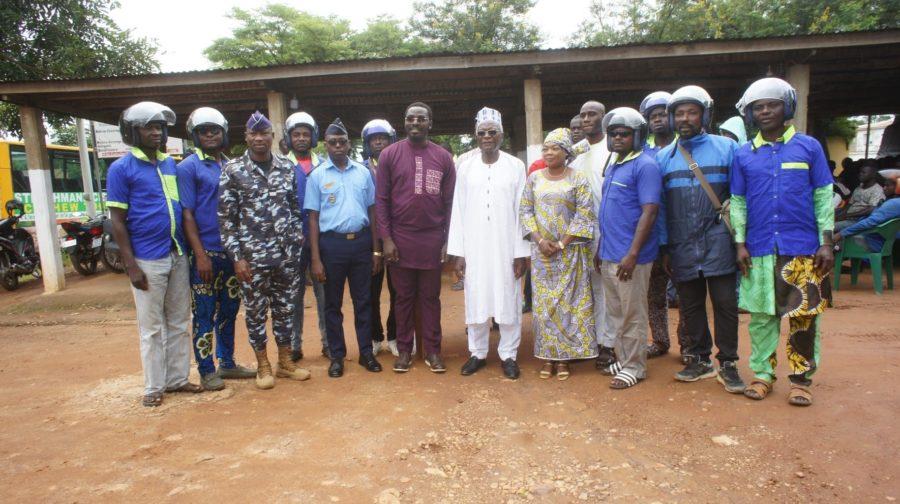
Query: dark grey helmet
x,y
629,118
140,115
207,116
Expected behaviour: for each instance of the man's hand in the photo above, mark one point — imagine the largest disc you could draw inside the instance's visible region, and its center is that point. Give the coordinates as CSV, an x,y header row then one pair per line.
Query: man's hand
x,y
204,268
597,263
667,264
519,266
460,267
318,270
390,251
377,265
138,278
626,267
824,260
242,271
743,259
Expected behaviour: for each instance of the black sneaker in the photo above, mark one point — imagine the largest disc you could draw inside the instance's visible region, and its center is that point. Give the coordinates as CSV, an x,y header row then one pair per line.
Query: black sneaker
x,y
696,370
605,358
729,377
472,366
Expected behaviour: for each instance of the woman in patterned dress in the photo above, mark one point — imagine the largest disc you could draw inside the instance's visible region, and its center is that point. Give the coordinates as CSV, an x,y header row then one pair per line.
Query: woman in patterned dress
x,y
558,219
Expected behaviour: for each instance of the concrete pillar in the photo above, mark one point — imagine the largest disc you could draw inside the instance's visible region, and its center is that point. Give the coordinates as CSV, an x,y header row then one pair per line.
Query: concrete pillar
x,y
42,199
277,114
798,76
534,127
517,141
86,178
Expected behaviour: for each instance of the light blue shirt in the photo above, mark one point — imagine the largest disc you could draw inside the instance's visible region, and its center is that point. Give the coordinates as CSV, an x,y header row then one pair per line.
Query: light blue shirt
x,y
342,197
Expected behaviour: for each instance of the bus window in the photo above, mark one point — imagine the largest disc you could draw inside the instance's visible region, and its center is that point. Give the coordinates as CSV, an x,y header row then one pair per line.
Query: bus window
x,y
19,169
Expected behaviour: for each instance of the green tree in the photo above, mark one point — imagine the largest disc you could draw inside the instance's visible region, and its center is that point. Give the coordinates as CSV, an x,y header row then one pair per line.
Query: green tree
x,y
474,25
279,35
59,39
384,37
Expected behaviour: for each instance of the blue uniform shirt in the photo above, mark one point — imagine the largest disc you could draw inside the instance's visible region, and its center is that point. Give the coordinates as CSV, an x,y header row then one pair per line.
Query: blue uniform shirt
x,y
342,197
889,210
149,194
198,189
778,180
633,182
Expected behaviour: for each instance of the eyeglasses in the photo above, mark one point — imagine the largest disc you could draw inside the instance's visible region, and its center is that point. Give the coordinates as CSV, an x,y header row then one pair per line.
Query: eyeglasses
x,y
487,133
336,142
621,133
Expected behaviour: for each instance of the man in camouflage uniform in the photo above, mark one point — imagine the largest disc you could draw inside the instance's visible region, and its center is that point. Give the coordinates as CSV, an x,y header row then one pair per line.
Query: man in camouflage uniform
x,y
259,218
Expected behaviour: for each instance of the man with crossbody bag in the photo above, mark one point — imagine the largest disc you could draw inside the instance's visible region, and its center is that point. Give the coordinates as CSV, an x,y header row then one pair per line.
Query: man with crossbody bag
x,y
697,240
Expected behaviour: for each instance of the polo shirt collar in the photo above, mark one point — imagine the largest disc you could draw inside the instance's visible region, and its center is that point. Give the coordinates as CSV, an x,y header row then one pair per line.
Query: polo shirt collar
x,y
138,153
327,163
202,156
651,140
312,158
630,156
788,134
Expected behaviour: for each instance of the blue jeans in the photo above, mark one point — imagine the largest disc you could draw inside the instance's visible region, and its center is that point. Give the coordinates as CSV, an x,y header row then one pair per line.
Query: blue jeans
x,y
215,307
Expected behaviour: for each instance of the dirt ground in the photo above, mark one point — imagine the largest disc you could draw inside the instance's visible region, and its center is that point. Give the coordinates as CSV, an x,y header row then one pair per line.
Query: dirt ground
x,y
74,430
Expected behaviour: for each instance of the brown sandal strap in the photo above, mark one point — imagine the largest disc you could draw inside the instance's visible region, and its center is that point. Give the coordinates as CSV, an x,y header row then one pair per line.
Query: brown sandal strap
x,y
800,395
758,389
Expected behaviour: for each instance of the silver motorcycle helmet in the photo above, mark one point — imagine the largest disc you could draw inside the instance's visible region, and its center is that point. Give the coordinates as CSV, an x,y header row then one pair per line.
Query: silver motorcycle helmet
x,y
140,115
653,100
207,116
374,127
629,118
691,94
301,119
769,88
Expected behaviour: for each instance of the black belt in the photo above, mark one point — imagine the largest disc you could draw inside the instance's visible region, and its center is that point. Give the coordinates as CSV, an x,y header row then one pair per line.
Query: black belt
x,y
347,236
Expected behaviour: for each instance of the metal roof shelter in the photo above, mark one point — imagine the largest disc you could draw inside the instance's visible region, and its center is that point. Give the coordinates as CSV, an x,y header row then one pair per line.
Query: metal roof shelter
x,y
835,74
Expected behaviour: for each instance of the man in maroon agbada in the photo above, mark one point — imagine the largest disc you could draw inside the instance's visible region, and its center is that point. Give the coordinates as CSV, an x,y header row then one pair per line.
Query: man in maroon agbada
x,y
413,198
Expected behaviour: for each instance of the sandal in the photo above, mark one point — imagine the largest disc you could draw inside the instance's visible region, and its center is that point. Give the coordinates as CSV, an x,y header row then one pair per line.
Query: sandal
x,y
547,370
189,388
612,370
758,389
623,380
562,371
800,395
152,400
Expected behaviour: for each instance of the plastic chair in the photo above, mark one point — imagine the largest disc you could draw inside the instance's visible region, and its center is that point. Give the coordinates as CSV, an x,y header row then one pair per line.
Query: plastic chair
x,y
857,252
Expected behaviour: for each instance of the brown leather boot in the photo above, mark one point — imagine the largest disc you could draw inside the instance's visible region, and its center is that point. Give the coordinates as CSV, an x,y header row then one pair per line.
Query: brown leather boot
x,y
264,378
287,368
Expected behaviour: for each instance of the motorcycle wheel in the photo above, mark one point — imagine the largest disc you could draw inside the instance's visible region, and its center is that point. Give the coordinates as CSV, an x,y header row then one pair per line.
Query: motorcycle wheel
x,y
111,260
84,264
8,279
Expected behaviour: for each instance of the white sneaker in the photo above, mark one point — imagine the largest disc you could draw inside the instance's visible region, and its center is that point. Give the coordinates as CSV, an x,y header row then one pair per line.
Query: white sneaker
x,y
392,345
376,347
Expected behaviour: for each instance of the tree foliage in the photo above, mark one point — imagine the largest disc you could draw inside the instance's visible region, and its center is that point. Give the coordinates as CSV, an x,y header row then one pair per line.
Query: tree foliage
x,y
681,20
475,25
57,39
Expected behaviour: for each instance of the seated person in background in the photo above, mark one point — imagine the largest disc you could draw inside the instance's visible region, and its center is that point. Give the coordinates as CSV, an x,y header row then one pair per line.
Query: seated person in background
x,y
864,198
887,211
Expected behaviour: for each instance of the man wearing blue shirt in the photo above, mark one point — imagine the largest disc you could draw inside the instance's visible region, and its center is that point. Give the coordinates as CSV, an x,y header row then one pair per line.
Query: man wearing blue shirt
x,y
142,194
340,196
214,286
698,250
628,242
783,219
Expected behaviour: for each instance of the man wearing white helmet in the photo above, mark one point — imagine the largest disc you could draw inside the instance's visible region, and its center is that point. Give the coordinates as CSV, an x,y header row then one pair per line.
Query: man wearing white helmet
x,y
697,244
376,135
142,194
783,218
302,135
215,288
628,242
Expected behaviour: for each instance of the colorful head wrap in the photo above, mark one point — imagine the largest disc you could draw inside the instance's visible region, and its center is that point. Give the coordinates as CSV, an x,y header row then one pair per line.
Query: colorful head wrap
x,y
561,137
488,115
258,122
336,128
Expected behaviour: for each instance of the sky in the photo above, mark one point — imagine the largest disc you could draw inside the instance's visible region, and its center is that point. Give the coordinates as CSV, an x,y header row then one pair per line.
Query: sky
x,y
183,28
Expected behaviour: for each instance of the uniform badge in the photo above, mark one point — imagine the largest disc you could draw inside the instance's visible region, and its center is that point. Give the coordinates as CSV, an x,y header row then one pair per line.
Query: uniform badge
x,y
331,199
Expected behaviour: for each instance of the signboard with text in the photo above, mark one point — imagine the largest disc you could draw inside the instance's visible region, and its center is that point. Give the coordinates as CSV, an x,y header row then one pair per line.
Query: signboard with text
x,y
110,145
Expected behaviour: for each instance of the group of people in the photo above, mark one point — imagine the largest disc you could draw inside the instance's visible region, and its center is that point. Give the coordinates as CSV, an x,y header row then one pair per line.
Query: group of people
x,y
619,204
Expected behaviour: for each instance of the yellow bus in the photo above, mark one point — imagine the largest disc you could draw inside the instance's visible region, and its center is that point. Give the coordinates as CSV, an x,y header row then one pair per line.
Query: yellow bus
x,y
65,173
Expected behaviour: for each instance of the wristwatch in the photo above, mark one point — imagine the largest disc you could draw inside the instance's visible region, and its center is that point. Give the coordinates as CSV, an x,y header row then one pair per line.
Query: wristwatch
x,y
377,254
562,246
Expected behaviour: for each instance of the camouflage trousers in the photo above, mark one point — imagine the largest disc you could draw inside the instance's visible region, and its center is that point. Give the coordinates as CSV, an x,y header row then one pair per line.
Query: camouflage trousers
x,y
270,289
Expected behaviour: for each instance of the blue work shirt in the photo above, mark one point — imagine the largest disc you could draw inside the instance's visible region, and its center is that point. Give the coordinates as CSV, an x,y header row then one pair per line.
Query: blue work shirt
x,y
687,223
778,180
342,197
651,148
198,189
889,210
149,194
633,182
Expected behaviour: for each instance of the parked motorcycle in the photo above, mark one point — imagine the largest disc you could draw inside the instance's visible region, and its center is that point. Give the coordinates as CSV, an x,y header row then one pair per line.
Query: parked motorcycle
x,y
84,244
18,256
110,250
